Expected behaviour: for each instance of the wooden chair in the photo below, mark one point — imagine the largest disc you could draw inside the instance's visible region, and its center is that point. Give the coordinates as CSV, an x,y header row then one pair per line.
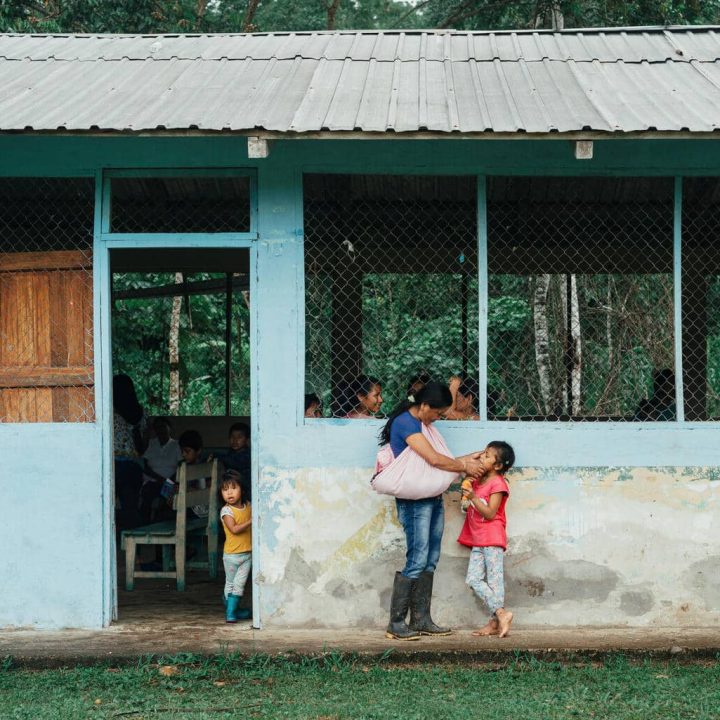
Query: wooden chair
x,y
175,532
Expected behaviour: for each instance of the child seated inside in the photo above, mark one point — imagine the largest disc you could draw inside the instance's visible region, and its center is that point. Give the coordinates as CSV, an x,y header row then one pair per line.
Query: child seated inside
x,y
236,519
237,459
191,447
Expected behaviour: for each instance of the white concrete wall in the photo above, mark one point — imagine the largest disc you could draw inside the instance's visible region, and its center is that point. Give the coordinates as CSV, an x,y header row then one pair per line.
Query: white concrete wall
x,y
636,547
51,564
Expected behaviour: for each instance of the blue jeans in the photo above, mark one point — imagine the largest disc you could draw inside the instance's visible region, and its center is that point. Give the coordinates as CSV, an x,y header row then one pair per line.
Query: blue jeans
x,y
423,522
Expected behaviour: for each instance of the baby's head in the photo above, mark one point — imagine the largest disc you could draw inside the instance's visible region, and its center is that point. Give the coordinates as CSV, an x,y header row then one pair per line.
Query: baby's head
x,y
231,491
191,446
239,436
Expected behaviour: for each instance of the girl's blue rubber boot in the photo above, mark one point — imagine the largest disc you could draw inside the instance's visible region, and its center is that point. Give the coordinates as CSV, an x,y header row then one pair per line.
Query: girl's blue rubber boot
x,y
231,608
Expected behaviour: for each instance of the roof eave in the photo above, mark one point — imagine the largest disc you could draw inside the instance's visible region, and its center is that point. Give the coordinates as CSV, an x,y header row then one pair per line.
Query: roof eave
x,y
388,135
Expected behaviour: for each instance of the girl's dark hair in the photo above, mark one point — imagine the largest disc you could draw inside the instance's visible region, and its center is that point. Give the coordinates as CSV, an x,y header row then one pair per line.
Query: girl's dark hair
x,y
470,386
347,399
227,481
505,453
191,439
435,394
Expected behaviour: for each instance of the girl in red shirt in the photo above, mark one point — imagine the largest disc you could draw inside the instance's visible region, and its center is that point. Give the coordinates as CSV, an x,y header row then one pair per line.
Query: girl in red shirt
x,y
484,532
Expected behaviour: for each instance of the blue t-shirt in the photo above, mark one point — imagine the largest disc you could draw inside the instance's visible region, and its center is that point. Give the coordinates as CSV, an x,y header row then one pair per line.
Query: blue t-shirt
x,y
403,426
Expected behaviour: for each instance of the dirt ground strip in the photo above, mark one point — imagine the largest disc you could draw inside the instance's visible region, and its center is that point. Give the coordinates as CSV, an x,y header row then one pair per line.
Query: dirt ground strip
x,y
124,642
157,620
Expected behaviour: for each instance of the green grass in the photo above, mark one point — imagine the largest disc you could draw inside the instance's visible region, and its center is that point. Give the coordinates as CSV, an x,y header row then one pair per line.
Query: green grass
x,y
337,686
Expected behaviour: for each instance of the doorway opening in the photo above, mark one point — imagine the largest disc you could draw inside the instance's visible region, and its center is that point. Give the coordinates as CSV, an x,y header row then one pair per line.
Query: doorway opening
x,y
181,364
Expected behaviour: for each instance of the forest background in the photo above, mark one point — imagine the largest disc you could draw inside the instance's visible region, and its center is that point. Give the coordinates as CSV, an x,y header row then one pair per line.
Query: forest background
x,y
177,346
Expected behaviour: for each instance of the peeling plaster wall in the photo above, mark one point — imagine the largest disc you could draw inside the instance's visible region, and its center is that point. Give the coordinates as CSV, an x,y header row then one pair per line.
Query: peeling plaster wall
x,y
629,546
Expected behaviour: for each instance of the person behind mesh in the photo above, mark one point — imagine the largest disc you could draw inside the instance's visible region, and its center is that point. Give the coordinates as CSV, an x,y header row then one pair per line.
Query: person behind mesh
x,y
313,406
422,520
484,532
236,519
418,382
661,404
466,397
360,398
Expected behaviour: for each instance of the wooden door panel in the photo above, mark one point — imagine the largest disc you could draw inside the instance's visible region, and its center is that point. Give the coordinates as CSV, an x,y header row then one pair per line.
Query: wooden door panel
x,y
46,347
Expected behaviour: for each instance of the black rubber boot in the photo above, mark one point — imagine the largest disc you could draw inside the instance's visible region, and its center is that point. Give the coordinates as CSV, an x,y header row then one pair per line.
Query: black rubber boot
x,y
420,620
397,628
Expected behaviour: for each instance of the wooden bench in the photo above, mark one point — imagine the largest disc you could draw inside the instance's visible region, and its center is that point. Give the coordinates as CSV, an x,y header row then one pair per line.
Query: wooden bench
x,y
176,532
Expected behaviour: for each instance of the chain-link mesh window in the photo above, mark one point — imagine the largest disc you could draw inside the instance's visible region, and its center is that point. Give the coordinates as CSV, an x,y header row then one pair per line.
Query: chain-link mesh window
x,y
580,323
391,286
46,294
171,335
701,298
180,204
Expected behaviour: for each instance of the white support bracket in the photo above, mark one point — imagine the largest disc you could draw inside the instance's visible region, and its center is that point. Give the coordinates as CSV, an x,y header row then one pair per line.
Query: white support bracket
x,y
583,149
257,147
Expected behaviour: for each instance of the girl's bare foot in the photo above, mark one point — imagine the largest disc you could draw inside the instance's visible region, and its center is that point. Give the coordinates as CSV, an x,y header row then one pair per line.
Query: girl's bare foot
x,y
504,619
492,628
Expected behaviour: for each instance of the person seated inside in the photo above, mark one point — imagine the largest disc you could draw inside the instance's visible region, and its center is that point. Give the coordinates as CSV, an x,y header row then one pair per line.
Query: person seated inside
x,y
160,462
661,404
191,447
236,460
313,406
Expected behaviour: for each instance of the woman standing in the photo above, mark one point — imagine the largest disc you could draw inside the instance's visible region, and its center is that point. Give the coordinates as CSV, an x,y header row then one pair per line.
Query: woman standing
x,y
422,520
129,438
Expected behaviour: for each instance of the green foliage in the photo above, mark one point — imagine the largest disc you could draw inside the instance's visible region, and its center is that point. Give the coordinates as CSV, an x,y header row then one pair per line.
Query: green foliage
x,y
192,16
141,330
491,14
626,329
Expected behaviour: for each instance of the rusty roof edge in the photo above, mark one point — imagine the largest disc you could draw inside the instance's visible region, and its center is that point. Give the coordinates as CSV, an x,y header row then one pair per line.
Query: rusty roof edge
x,y
616,61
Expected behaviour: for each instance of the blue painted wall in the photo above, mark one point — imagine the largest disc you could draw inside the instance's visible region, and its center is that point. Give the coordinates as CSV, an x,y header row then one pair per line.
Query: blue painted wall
x,y
31,479
52,526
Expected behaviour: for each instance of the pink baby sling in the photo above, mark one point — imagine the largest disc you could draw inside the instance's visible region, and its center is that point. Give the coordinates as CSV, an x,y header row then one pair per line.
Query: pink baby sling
x,y
408,476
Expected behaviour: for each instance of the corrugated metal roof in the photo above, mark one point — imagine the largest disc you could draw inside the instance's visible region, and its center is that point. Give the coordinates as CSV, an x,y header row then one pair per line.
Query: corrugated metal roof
x,y
610,80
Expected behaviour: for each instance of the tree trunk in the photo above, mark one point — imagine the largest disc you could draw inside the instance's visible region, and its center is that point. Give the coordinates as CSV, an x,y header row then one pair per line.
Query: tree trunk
x,y
332,9
548,14
247,24
572,403
174,351
542,340
576,347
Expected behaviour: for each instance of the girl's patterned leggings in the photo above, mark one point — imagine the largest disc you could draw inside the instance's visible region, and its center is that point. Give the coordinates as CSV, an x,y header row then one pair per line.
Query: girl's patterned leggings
x,y
237,568
485,576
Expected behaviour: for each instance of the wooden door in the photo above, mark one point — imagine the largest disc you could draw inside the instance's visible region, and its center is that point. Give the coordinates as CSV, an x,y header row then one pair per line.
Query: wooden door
x,y
46,345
